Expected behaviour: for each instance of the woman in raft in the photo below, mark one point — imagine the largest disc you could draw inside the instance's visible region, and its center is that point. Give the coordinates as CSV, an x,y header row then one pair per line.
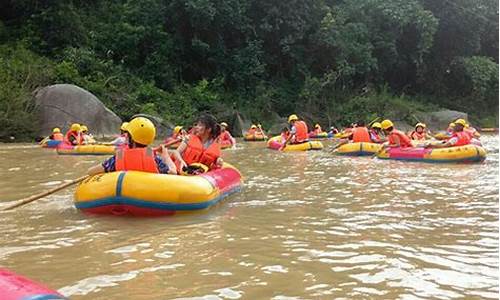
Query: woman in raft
x,y
201,147
138,156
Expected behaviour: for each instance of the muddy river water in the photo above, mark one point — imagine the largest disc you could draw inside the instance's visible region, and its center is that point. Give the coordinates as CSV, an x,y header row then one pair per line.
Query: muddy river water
x,y
306,226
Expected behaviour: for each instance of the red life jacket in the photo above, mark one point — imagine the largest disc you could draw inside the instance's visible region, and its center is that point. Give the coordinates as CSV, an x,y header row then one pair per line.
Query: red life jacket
x,y
463,137
194,152
417,136
404,140
300,132
136,159
77,137
225,136
57,136
360,135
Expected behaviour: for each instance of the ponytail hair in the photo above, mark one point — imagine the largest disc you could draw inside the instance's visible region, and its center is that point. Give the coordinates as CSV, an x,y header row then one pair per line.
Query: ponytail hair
x,y
210,122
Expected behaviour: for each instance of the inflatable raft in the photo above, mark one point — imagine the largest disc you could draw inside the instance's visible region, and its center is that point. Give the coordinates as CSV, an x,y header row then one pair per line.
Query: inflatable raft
x,y
257,137
358,149
148,194
17,287
462,154
48,143
65,149
275,144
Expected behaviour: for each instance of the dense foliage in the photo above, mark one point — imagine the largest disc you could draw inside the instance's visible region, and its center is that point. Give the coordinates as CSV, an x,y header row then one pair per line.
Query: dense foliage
x,y
332,60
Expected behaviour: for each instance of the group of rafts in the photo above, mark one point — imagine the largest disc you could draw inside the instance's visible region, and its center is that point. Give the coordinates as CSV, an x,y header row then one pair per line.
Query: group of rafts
x,y
129,191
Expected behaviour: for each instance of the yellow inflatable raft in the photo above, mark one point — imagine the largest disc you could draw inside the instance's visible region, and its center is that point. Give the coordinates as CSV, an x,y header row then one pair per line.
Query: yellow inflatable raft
x,y
275,143
358,149
461,154
86,150
149,194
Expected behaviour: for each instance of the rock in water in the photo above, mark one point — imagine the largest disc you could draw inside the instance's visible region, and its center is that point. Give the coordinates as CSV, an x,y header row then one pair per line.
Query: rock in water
x,y
60,105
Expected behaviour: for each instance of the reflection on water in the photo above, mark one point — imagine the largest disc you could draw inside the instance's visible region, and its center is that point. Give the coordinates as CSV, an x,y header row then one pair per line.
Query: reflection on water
x,y
306,226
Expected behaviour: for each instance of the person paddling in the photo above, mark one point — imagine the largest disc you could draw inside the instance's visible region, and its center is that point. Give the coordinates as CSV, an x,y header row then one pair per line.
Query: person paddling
x,y
138,156
298,132
225,136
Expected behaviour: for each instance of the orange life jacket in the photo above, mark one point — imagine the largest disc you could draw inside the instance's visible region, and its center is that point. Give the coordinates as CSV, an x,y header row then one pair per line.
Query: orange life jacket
x,y
57,136
77,137
251,131
225,136
417,136
300,132
136,159
404,140
360,135
463,138
194,152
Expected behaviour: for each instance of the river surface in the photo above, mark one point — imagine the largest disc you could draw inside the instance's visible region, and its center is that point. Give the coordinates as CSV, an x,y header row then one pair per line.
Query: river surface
x,y
306,226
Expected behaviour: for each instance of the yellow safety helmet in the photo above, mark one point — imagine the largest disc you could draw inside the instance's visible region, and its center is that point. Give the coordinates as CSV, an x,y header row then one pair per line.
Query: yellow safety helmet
x,y
292,118
420,124
142,130
83,128
461,122
56,130
451,125
253,126
224,124
316,126
386,124
124,126
377,125
177,129
75,127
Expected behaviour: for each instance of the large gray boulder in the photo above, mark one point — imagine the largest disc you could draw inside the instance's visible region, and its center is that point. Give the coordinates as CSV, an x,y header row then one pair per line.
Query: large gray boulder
x,y
60,105
439,120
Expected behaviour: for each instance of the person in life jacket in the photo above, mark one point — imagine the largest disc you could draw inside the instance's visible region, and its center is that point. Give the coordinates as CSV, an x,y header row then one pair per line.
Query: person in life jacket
x,y
201,146
419,134
285,133
376,133
225,136
458,138
298,132
177,135
471,131
252,130
122,139
73,136
56,135
395,137
360,134
138,156
87,138
317,129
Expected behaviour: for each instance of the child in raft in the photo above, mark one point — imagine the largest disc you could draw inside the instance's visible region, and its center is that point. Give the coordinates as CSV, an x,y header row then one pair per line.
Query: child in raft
x,y
138,156
395,137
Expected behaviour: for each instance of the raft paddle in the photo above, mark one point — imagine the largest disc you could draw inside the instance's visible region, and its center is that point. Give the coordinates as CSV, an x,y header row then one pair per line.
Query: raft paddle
x,y
46,193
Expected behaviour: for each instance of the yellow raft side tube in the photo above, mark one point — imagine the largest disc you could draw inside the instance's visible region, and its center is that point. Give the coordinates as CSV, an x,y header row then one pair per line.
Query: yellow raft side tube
x,y
358,149
87,150
461,154
311,145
